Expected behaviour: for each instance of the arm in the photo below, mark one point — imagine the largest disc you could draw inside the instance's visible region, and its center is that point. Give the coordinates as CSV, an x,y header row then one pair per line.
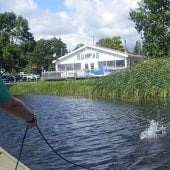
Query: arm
x,y
19,109
15,106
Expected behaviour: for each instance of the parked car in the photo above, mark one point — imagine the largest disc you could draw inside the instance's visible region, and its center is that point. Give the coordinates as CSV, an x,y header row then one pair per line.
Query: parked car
x,y
28,77
8,78
18,77
24,78
37,77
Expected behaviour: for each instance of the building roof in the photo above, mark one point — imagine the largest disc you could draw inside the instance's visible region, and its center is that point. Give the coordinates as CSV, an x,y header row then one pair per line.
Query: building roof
x,y
103,49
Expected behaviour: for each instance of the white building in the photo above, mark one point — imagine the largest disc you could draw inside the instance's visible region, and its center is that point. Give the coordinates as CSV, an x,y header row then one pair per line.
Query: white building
x,y
88,61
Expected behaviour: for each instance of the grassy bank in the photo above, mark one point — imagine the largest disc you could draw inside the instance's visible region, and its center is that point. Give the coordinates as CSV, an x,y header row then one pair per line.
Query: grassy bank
x,y
146,81
62,88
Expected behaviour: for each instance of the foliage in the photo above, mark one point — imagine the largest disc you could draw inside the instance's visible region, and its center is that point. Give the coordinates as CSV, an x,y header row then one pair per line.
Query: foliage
x,y
28,69
51,68
78,46
71,88
152,19
16,41
146,81
18,50
113,43
46,51
138,48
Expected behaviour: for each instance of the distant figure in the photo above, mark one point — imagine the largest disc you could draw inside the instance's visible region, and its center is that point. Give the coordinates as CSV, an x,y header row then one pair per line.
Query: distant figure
x,y
15,106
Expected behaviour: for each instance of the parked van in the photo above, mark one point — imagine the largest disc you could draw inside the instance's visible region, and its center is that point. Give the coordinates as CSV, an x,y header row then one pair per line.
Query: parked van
x,y
7,78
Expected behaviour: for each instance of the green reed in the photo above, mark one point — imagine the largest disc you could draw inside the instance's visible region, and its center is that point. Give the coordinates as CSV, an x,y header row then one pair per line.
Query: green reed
x,y
62,88
149,80
146,81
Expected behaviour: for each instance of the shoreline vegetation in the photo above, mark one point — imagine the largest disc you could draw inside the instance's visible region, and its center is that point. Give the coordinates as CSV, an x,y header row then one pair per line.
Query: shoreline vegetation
x,y
146,81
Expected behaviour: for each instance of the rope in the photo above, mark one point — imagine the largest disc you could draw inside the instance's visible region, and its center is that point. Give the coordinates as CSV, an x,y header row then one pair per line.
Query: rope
x,y
58,153
20,152
70,162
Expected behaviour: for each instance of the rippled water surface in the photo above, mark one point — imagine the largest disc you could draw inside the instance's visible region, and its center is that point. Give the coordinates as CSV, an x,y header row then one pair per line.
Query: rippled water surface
x,y
96,134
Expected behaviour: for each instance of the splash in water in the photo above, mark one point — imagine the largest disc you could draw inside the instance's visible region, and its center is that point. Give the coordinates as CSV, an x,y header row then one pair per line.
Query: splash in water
x,y
154,130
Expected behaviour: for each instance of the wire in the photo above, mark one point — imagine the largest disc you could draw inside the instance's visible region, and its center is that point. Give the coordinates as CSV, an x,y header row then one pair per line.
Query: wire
x,y
70,162
20,152
58,153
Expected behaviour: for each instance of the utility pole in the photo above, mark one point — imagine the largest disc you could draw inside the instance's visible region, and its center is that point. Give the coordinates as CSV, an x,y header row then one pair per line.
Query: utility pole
x,y
93,40
125,46
61,52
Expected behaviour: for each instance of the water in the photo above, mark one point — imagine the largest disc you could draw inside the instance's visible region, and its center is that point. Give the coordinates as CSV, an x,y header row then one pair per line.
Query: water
x,y
154,131
96,134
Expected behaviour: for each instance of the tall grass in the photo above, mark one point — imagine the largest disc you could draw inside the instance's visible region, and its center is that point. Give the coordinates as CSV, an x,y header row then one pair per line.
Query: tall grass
x,y
61,88
149,80
146,81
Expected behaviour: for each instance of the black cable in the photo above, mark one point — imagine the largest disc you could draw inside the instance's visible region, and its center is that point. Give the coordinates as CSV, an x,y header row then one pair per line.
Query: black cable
x,y
20,152
58,153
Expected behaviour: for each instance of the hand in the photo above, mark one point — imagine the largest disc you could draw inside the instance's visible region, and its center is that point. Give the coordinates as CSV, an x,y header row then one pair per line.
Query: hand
x,y
32,122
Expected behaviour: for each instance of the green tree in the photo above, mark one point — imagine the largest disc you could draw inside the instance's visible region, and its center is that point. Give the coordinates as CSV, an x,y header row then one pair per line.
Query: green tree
x,y
138,48
113,43
57,47
78,46
45,52
152,19
16,42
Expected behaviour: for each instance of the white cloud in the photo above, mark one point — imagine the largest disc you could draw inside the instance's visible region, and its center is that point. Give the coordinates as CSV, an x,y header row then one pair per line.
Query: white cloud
x,y
47,23
20,6
83,21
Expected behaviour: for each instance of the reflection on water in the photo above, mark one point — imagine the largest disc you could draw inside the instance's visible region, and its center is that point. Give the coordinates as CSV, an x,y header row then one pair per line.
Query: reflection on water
x,y
99,135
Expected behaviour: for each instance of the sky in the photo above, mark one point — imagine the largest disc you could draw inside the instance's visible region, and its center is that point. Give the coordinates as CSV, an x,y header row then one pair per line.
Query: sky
x,y
77,21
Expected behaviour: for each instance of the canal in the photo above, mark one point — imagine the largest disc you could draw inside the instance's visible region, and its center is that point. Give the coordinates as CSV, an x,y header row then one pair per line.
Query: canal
x,y
97,134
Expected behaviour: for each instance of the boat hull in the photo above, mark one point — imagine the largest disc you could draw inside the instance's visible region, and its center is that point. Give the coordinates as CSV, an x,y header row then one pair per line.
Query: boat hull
x,y
8,162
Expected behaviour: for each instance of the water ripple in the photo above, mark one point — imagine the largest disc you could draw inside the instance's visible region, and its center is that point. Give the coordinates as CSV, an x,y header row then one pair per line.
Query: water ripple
x,y
96,134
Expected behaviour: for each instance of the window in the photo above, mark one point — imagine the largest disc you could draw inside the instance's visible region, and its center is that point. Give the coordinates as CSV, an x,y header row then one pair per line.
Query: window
x,y
92,66
102,64
69,67
77,66
61,67
120,63
86,66
110,64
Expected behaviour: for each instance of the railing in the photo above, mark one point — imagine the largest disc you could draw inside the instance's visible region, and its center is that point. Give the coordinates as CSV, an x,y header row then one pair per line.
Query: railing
x,y
59,75
50,75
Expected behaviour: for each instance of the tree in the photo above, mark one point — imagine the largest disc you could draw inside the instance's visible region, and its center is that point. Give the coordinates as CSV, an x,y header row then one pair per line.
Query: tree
x,y
45,52
78,46
16,42
57,47
113,43
138,48
152,19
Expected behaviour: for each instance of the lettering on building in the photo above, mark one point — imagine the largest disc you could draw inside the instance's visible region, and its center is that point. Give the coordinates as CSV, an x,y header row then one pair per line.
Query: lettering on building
x,y
87,56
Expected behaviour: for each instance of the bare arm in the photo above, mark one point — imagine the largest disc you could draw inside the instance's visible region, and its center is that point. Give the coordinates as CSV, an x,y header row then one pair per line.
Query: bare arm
x,y
19,109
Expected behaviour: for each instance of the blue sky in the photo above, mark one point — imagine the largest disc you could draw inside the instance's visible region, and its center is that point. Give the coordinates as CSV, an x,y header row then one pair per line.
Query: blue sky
x,y
52,5
77,21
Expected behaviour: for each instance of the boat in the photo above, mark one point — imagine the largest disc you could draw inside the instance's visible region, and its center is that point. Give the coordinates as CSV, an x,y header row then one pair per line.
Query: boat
x,y
8,162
